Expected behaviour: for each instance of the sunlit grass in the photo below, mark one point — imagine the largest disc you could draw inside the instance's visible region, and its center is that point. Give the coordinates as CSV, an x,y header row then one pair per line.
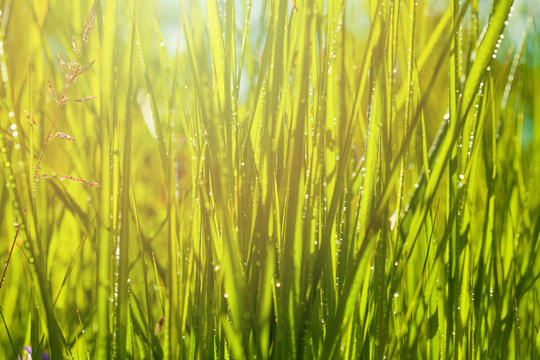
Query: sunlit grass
x,y
270,179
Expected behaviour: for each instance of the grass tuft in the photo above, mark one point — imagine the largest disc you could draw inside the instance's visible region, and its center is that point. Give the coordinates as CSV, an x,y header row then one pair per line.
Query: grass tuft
x,y
273,179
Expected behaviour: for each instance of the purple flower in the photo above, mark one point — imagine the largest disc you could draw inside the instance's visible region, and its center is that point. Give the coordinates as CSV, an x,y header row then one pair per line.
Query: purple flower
x,y
27,354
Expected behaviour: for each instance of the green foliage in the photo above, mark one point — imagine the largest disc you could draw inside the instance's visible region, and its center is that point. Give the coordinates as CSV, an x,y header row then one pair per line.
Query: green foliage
x,y
269,179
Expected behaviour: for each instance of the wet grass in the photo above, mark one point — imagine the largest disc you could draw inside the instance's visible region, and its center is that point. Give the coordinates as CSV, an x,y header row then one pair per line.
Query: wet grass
x,y
269,179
